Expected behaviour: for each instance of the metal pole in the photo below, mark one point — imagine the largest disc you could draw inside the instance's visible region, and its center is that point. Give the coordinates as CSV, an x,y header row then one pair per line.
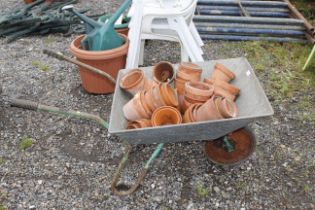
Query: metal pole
x,y
258,20
250,38
218,30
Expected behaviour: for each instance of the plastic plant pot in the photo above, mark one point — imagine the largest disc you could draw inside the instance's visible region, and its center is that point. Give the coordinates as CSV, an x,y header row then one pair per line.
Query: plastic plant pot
x,y
166,115
134,81
110,61
221,72
163,72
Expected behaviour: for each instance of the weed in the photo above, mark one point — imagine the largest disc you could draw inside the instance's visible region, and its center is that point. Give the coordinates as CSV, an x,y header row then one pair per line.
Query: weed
x,y
201,190
50,39
165,208
25,143
306,188
2,207
39,65
2,161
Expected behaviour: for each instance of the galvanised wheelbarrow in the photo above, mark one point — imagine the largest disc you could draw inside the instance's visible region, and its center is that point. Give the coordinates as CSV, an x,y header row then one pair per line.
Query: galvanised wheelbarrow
x,y
252,104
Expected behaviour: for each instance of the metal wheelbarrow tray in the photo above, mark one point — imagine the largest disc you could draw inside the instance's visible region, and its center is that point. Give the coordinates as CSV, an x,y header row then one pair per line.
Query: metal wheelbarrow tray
x,y
252,104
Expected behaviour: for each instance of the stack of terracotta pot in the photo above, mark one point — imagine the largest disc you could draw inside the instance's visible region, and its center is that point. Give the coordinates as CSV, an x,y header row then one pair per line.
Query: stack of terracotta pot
x,y
155,102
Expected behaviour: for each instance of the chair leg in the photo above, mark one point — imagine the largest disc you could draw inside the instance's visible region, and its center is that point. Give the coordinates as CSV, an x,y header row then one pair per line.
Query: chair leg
x,y
195,34
190,45
184,55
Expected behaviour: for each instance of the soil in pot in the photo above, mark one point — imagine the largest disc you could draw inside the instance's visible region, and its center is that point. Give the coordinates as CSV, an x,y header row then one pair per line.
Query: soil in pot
x,y
110,61
166,115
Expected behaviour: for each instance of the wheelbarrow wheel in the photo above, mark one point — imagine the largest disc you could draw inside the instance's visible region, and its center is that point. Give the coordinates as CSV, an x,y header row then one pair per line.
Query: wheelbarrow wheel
x,y
243,145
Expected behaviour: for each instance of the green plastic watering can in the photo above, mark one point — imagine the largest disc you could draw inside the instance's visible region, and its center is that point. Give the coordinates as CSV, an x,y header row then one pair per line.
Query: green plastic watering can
x,y
105,38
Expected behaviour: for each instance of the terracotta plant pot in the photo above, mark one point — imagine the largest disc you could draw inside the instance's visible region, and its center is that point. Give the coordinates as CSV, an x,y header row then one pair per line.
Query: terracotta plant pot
x,y
198,91
208,111
228,87
166,115
226,107
163,72
28,1
110,61
145,105
219,91
133,110
220,72
180,85
189,115
134,81
169,95
216,108
189,71
143,123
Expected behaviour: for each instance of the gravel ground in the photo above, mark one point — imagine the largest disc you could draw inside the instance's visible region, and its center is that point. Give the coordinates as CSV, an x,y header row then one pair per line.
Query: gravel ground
x,y
71,161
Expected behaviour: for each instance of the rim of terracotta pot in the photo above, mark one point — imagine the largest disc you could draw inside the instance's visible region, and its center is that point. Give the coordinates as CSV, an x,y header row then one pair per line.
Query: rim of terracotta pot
x,y
169,95
131,79
199,88
219,91
209,81
140,108
155,75
98,55
161,110
149,100
227,86
226,107
191,66
225,70
157,98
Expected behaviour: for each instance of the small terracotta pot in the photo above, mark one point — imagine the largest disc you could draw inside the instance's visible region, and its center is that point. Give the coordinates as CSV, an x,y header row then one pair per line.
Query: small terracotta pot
x,y
189,71
219,91
145,104
198,91
208,111
134,110
226,107
180,85
220,72
149,100
166,115
189,115
228,87
110,61
143,123
169,95
163,72
134,81
157,97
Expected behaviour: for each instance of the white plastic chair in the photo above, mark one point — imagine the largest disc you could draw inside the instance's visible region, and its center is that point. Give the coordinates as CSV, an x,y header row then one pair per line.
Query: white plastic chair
x,y
163,20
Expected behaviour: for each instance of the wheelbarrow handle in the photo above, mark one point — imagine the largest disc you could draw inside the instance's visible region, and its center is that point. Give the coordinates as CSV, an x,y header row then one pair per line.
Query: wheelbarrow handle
x,y
142,175
61,57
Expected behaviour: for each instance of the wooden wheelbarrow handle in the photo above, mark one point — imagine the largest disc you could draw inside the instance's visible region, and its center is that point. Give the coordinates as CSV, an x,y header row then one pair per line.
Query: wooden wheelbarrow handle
x,y
61,57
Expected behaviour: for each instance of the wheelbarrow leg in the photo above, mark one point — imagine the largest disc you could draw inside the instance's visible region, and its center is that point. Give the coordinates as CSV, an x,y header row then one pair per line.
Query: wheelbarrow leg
x,y
142,175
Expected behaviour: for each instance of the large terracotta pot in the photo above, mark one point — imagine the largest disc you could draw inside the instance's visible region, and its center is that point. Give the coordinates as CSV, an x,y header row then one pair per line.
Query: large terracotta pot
x,y
134,81
166,115
110,61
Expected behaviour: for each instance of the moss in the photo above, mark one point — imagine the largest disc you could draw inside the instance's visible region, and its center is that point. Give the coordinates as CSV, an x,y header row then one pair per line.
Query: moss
x,y
40,66
201,190
2,161
25,143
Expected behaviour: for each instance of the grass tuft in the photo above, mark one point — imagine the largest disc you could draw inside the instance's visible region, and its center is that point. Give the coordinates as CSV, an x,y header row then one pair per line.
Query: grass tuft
x,y
202,191
25,143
